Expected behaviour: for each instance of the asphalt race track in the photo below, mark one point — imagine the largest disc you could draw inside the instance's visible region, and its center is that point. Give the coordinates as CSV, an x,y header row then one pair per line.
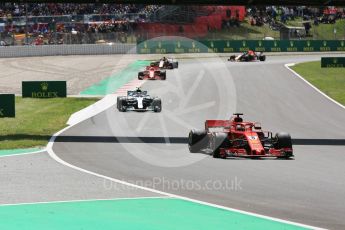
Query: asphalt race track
x,y
36,178
309,189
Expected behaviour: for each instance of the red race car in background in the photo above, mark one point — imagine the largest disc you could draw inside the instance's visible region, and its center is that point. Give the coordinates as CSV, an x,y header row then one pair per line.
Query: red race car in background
x,y
152,73
236,138
248,56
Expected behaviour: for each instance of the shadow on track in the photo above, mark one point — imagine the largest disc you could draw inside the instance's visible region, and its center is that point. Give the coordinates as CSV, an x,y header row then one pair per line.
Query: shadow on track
x,y
177,140
22,136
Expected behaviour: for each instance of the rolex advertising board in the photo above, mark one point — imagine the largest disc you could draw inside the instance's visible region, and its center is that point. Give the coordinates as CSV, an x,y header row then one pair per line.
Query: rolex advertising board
x,y
7,105
333,62
230,46
44,89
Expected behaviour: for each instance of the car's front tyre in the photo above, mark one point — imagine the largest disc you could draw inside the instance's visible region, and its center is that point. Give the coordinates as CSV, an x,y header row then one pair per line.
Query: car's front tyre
x,y
283,141
163,75
122,106
262,58
140,76
157,105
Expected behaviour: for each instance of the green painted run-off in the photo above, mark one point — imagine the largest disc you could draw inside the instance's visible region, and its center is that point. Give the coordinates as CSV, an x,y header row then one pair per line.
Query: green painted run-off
x,y
7,152
125,214
116,81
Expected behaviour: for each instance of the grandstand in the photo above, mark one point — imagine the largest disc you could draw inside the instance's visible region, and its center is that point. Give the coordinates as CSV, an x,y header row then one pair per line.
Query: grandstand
x,y
61,23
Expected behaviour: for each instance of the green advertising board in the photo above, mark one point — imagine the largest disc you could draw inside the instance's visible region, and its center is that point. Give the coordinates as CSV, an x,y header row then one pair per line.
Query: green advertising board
x,y
229,46
333,62
7,105
44,89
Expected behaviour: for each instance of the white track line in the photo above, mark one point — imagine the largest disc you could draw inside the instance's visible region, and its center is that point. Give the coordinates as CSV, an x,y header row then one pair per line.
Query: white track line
x,y
22,154
90,200
311,85
56,158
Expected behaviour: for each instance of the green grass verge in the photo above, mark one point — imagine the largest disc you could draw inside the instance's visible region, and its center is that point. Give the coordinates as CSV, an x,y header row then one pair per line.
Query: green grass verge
x,y
37,119
331,81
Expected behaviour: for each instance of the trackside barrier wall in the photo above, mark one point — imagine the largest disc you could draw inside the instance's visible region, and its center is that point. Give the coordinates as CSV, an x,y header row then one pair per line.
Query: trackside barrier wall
x,y
183,46
223,46
52,50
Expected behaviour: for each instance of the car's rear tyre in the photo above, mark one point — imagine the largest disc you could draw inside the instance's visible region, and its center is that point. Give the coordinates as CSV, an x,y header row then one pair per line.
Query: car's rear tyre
x,y
262,58
157,105
218,141
197,140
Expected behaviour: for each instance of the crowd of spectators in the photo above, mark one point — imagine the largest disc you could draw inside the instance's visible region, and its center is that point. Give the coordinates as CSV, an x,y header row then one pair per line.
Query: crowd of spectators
x,y
99,18
54,9
278,17
93,19
260,15
234,21
62,33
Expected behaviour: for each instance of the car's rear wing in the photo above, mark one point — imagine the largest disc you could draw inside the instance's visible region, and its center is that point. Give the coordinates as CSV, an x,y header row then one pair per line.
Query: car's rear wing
x,y
136,93
217,124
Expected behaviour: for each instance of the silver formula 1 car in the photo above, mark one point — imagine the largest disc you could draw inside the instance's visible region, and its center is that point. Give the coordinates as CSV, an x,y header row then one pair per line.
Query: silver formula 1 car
x,y
166,63
138,100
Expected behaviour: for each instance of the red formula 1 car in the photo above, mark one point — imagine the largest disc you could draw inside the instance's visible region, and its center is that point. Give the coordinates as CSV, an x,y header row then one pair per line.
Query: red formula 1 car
x,y
236,138
152,73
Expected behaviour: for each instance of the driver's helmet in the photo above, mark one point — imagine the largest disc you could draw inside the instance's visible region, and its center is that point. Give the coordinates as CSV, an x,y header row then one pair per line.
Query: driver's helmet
x,y
138,90
251,52
152,64
239,128
238,119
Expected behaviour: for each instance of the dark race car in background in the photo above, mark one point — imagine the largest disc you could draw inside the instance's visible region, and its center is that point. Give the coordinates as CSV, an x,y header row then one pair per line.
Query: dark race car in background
x,y
138,100
236,138
166,63
152,73
248,56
